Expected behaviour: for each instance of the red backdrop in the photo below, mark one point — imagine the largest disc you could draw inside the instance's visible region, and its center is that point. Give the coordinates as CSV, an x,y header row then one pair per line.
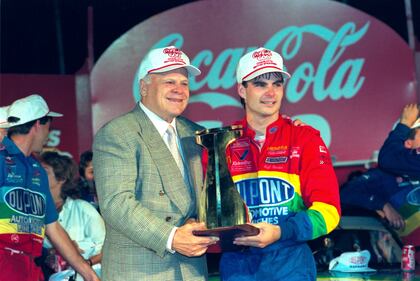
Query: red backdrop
x,y
59,92
351,74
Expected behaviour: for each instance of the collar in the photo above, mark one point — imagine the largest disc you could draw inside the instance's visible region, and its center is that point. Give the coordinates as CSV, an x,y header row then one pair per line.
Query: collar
x,y
272,128
10,146
160,124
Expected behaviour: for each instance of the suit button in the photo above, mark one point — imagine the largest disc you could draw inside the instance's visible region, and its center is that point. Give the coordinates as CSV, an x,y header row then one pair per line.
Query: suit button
x,y
161,193
168,219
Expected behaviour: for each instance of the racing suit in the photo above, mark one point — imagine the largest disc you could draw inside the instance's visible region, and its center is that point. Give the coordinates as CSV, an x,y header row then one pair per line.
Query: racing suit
x,y
374,189
395,158
289,182
26,206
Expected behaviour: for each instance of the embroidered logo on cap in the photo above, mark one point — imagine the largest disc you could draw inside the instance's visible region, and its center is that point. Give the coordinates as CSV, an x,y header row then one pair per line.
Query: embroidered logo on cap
x,y
174,55
172,52
262,55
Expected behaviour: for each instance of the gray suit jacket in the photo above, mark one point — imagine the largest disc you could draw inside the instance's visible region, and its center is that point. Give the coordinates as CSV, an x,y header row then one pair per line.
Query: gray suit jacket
x,y
142,196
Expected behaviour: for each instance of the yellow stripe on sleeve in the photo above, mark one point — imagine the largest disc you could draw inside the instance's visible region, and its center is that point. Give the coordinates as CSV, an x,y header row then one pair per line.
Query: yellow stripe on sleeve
x,y
329,213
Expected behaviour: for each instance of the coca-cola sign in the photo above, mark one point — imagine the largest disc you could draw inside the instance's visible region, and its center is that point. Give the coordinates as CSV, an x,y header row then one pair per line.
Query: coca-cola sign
x,y
351,74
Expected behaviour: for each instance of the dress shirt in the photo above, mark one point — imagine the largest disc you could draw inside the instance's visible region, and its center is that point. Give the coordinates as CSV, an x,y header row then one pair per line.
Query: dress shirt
x,y
161,126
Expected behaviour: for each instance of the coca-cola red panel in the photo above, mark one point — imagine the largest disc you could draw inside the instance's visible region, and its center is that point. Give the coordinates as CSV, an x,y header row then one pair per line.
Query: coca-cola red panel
x,y
351,73
59,93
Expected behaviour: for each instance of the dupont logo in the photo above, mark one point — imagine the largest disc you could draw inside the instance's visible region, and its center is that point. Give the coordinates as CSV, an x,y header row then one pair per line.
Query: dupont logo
x,y
262,55
172,52
264,192
25,201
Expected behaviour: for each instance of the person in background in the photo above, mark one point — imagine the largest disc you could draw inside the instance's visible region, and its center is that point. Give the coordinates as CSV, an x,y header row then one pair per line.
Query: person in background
x,y
87,180
374,190
285,176
147,172
400,153
80,219
386,187
391,189
3,121
22,178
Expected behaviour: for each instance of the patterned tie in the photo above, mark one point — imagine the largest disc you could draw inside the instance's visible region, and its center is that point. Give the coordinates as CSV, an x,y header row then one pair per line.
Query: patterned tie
x,y
171,140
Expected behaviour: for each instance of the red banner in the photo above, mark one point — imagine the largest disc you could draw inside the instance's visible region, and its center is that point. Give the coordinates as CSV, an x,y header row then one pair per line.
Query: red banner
x,y
59,93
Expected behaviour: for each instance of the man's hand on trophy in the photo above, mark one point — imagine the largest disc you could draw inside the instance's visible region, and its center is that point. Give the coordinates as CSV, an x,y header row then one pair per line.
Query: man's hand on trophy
x,y
187,244
269,233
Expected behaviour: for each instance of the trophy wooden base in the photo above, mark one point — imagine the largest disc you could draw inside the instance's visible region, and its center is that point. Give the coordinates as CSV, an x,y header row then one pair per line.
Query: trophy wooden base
x,y
227,234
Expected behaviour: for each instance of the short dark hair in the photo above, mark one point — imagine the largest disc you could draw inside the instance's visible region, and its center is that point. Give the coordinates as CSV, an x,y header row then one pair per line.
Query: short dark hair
x,y
85,158
24,129
262,76
64,169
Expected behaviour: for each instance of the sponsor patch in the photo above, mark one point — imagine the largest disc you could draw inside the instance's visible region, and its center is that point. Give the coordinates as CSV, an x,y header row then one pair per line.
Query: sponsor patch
x,y
240,143
295,152
9,160
240,154
277,148
25,202
276,160
266,192
322,149
15,238
12,176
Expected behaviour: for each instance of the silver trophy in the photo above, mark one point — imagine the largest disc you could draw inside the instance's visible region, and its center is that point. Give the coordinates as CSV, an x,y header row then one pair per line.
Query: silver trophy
x,y
220,205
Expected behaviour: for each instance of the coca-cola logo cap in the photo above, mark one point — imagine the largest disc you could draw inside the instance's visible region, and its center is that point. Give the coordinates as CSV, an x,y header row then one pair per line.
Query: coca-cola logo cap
x,y
352,262
165,59
258,62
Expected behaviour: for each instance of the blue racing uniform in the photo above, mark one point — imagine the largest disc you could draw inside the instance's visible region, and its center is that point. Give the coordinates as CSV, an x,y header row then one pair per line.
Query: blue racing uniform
x,y
373,189
26,207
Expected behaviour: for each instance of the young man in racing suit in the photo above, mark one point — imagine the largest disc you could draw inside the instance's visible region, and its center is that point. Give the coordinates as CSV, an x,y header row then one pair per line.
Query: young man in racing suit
x,y
285,176
27,211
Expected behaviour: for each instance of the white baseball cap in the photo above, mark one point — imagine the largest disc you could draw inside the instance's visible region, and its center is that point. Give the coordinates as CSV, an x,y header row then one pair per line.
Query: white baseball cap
x,y
352,262
28,109
258,62
3,117
416,124
165,59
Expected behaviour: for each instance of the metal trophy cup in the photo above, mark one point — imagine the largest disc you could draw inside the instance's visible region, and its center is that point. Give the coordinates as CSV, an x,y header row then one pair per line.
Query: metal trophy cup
x,y
220,205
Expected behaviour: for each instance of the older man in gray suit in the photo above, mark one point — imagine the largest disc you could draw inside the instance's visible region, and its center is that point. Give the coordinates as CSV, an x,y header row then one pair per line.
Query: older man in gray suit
x,y
146,187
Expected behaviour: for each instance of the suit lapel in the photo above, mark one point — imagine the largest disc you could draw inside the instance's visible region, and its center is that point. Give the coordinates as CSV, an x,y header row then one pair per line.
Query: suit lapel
x,y
192,158
172,180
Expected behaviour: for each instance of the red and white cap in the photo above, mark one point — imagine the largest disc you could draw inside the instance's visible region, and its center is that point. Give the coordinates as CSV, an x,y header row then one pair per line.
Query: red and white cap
x,y
165,59
416,124
259,62
4,113
28,109
352,262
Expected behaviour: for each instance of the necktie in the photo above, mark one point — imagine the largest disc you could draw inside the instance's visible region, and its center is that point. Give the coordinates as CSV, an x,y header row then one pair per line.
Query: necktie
x,y
173,147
